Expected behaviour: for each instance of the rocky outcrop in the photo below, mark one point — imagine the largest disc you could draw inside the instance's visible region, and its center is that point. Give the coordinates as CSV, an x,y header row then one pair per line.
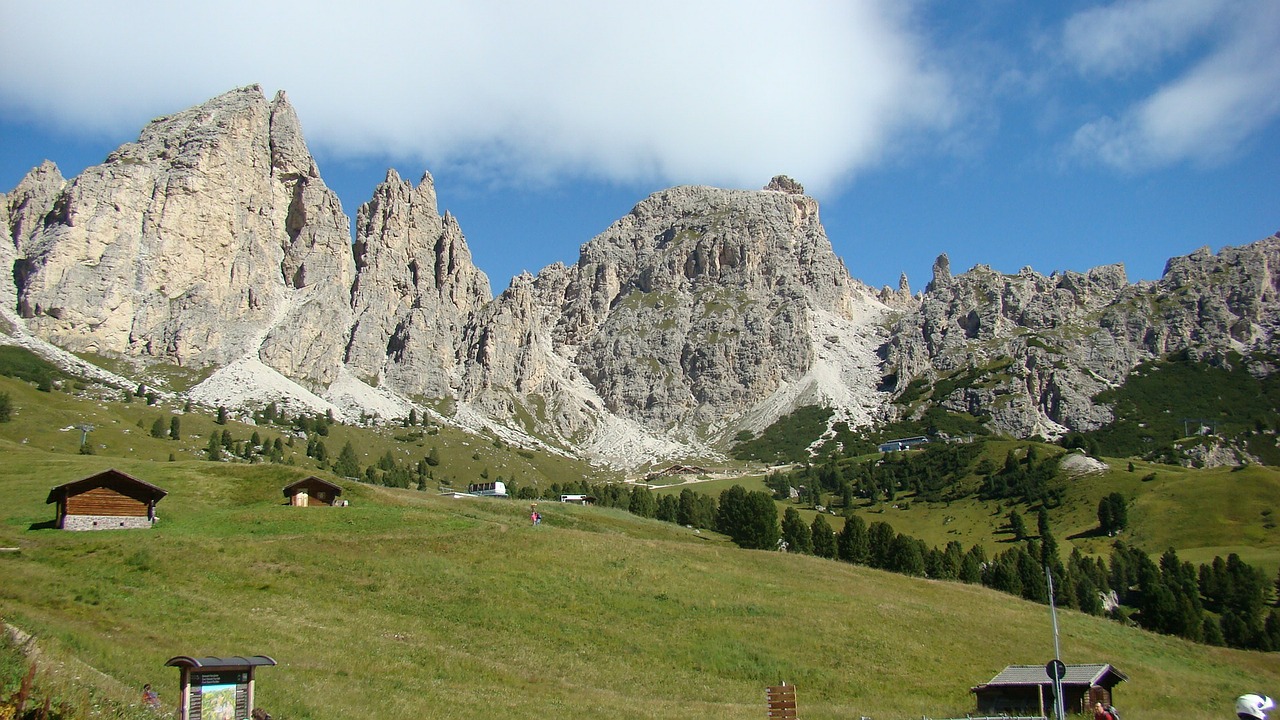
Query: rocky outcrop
x,y
416,290
22,213
213,243
210,237
685,316
1030,352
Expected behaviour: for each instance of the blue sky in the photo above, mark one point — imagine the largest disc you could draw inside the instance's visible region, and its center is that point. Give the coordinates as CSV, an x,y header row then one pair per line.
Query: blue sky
x,y
1059,136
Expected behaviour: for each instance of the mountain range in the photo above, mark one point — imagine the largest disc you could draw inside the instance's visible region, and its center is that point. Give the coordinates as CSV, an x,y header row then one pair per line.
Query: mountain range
x,y
211,249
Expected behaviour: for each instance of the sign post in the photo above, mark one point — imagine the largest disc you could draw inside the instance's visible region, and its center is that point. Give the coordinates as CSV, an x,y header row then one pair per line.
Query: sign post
x,y
1056,668
215,687
782,701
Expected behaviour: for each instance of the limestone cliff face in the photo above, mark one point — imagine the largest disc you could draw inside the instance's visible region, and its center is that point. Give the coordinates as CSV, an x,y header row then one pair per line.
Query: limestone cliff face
x,y
1034,350
213,243
684,316
415,291
22,215
209,238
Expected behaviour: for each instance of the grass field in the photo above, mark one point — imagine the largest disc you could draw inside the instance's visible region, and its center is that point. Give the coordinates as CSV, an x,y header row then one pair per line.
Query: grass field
x,y
411,605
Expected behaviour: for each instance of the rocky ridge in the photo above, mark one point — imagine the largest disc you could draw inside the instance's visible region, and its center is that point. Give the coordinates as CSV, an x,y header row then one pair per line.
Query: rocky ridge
x,y
213,244
1039,348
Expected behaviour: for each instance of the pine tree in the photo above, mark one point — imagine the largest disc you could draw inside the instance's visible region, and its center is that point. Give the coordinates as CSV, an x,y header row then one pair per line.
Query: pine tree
x,y
668,507
795,533
347,464
852,542
1212,632
222,416
175,428
6,407
157,428
1017,526
880,536
750,519
642,502
1048,545
906,556
824,538
1271,632
215,447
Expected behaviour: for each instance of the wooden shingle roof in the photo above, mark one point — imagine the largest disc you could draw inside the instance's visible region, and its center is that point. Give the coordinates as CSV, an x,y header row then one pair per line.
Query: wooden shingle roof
x,y
1087,675
235,661
106,477
311,482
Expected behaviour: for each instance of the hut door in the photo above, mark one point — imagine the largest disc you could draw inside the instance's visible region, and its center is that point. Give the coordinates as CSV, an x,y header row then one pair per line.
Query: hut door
x,y
301,498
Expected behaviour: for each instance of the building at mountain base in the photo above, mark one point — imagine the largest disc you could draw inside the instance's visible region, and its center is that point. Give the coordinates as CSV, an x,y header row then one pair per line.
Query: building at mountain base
x,y
110,500
1028,689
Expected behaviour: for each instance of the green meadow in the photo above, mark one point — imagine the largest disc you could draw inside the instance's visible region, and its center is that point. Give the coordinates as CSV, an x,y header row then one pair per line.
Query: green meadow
x,y
409,604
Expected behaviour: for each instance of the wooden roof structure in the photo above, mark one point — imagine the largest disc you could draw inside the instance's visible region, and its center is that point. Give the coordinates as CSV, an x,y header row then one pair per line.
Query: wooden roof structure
x,y
1028,688
1087,675
139,489
220,663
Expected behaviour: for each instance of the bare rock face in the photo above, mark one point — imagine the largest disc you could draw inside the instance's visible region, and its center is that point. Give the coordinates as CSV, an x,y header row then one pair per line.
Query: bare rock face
x,y
212,242
210,238
1030,352
415,292
22,215
693,310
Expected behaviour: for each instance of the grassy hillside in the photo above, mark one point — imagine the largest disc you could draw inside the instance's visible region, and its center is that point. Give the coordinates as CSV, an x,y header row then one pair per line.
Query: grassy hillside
x,y
410,605
49,420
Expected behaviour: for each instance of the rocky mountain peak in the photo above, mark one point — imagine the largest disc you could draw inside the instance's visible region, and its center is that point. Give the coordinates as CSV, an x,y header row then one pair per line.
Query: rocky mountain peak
x,y
213,243
209,238
289,153
701,308
416,290
782,183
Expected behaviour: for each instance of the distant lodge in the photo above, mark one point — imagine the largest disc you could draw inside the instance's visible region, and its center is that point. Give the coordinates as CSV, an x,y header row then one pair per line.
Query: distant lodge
x,y
313,491
110,500
578,499
903,443
1027,690
675,470
488,489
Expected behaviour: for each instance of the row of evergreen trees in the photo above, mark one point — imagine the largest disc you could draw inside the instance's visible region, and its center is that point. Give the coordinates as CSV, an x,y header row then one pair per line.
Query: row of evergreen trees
x,y
1222,603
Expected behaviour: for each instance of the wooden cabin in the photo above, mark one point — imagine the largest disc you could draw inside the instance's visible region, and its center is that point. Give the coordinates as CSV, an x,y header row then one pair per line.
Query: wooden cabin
x,y
110,500
312,491
1028,690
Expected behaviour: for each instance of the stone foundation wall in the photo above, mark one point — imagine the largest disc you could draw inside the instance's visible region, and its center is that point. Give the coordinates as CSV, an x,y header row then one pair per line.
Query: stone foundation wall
x,y
104,522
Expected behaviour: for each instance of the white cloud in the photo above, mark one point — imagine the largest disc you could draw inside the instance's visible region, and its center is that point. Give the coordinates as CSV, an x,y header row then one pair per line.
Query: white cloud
x,y
1133,35
728,92
1205,114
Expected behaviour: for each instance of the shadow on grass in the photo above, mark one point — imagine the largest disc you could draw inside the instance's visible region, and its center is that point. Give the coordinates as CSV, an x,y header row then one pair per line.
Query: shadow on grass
x,y
46,525
1087,534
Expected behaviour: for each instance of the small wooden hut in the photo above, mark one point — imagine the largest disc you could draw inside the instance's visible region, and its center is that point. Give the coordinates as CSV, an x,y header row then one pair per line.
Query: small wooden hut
x,y
1028,689
109,500
311,491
